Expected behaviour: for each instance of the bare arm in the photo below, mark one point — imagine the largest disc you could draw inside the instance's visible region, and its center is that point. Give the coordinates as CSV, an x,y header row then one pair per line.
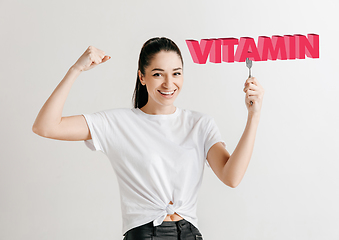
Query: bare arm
x,y
50,114
49,122
230,169
238,162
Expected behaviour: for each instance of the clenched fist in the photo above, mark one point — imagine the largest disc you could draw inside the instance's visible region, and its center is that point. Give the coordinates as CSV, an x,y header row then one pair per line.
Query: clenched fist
x,y
254,93
90,58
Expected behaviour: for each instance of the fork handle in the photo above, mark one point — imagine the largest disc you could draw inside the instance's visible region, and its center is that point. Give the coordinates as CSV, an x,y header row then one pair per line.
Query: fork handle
x,y
250,77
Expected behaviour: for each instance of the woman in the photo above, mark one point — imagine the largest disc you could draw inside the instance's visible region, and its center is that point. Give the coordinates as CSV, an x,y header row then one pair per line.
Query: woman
x,y
157,150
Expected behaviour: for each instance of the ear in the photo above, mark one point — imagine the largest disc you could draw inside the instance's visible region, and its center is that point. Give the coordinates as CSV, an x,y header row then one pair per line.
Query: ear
x,y
141,77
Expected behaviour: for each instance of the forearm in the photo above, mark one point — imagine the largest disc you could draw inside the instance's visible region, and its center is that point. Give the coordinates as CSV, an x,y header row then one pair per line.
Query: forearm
x,y
51,113
235,168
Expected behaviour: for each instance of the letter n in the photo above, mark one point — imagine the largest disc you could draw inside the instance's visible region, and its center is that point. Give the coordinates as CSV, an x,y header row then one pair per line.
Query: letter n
x,y
309,46
199,52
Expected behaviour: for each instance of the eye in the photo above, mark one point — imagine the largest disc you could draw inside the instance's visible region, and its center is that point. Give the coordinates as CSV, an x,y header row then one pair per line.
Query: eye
x,y
177,73
156,74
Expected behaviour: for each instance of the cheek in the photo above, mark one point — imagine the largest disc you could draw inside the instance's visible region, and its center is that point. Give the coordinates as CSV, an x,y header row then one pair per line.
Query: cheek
x,y
180,83
151,87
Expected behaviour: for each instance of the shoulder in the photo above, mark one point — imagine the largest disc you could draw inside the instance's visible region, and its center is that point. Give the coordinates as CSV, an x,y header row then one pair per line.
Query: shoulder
x,y
197,119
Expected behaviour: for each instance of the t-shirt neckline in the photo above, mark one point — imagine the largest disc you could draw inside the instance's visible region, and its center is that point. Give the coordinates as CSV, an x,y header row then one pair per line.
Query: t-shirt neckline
x,y
157,116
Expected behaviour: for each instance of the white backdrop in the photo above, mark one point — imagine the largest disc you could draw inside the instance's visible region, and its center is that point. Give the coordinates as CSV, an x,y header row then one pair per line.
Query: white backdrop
x,y
54,189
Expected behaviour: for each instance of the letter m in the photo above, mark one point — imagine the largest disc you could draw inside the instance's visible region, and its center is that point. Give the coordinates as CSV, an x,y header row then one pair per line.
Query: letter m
x,y
272,48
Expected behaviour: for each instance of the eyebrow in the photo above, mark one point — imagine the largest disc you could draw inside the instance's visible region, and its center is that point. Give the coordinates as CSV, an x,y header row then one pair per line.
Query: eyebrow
x,y
159,69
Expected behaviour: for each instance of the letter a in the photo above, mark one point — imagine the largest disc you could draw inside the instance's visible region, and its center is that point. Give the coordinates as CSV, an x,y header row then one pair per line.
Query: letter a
x,y
246,49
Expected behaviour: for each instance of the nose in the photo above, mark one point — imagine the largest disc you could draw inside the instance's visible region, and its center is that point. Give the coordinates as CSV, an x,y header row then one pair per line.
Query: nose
x,y
168,81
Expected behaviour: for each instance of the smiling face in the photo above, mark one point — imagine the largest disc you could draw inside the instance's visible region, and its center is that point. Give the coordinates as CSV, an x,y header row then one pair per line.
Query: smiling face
x,y
163,79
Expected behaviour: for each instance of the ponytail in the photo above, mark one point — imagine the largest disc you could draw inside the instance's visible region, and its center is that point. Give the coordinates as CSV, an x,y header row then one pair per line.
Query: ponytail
x,y
140,94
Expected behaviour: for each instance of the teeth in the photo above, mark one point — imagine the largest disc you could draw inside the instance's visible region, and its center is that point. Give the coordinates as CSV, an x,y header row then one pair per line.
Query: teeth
x,y
167,93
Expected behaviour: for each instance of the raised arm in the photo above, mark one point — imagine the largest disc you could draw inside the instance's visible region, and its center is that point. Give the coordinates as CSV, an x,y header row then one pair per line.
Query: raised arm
x,y
230,169
49,122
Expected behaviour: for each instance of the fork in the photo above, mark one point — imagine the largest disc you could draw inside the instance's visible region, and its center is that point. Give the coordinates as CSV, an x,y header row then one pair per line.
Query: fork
x,y
249,65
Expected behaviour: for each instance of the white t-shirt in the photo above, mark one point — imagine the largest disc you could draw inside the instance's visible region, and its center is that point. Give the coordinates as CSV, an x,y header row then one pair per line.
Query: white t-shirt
x,y
156,158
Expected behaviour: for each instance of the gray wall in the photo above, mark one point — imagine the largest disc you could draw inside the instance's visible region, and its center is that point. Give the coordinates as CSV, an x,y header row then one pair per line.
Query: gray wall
x,y
54,189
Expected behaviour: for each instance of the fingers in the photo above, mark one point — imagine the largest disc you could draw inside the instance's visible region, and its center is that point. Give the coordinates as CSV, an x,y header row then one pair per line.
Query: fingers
x,y
96,55
250,99
254,91
250,86
251,93
252,96
255,98
254,81
253,84
91,58
251,80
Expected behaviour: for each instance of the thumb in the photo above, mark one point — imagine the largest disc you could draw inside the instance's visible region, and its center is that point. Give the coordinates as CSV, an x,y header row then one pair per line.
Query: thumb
x,y
106,58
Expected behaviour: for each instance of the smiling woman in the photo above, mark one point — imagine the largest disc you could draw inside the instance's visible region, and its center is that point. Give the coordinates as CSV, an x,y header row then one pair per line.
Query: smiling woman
x,y
163,79
157,150
160,71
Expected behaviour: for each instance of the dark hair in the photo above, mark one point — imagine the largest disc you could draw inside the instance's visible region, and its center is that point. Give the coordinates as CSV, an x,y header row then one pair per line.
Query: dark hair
x,y
148,50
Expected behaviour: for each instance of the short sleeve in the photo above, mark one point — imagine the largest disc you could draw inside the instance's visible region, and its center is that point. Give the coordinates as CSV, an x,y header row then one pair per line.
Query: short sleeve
x,y
97,124
212,136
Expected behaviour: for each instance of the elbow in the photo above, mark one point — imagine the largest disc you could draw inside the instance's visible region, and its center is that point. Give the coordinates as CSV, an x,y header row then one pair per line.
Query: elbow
x,y
34,129
38,131
231,183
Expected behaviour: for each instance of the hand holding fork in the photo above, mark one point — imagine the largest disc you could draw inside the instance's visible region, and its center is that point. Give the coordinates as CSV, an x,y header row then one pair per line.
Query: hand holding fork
x,y
254,92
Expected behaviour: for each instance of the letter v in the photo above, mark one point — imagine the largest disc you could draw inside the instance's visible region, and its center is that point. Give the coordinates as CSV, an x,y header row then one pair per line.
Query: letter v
x,y
199,52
